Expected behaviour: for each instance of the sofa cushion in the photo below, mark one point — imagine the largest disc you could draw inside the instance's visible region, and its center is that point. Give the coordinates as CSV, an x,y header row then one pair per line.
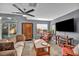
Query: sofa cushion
x,y
6,46
8,53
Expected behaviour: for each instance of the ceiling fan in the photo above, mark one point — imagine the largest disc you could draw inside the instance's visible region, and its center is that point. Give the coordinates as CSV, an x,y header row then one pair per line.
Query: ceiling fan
x,y
24,12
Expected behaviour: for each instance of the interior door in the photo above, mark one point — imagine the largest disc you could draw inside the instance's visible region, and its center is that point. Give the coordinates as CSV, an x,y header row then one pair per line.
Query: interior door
x,y
27,30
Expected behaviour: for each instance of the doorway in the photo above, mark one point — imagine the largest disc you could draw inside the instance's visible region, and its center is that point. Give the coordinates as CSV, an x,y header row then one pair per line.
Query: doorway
x,y
27,30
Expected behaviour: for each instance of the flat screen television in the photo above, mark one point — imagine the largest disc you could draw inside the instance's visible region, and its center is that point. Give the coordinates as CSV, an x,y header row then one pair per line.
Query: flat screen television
x,y
66,26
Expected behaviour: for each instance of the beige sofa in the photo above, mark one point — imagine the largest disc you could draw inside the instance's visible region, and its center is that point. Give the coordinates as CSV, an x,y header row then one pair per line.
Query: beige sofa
x,y
7,47
13,46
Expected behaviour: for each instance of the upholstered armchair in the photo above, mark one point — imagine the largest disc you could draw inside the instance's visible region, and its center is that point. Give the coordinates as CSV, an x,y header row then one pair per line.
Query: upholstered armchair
x,y
20,37
47,36
19,45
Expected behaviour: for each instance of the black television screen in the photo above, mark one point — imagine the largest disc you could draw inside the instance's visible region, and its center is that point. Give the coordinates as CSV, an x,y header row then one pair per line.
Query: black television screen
x,y
67,25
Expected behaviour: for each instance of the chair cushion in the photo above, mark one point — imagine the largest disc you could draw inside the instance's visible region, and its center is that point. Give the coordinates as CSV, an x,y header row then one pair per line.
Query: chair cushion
x,y
20,38
19,47
67,51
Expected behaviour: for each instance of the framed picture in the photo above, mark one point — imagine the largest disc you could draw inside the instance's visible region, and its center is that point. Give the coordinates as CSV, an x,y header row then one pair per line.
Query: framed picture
x,y
12,29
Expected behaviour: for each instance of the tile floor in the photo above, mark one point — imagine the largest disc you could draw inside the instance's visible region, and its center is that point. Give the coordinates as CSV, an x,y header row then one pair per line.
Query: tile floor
x,y
29,50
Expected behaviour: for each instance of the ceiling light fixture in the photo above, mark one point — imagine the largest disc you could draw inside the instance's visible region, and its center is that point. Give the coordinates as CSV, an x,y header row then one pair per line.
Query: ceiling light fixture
x,y
24,15
9,18
0,17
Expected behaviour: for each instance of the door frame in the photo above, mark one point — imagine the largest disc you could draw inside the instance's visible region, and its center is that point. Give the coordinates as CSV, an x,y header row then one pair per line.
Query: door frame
x,y
32,28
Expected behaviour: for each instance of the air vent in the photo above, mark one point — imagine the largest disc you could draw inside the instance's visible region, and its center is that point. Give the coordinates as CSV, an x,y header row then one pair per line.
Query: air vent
x,y
32,4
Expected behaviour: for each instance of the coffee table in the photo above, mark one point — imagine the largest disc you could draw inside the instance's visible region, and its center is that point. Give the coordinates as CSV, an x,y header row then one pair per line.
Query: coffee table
x,y
40,48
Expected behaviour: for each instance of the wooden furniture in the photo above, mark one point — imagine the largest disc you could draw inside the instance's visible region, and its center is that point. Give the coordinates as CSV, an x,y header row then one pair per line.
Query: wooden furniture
x,y
66,40
27,30
66,44
41,50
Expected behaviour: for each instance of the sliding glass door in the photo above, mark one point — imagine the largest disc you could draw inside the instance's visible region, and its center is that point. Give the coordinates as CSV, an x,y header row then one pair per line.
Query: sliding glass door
x,y
8,30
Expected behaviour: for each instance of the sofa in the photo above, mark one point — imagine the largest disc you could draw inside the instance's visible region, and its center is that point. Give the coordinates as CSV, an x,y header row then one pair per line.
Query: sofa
x,y
7,47
12,46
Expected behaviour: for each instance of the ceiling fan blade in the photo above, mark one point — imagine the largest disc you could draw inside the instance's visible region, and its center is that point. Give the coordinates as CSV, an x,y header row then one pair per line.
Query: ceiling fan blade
x,y
30,11
30,15
24,14
18,8
17,12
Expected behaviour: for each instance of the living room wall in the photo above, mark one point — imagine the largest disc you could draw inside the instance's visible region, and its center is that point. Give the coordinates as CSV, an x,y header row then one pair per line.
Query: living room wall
x,y
0,33
34,22
75,15
19,20
3,19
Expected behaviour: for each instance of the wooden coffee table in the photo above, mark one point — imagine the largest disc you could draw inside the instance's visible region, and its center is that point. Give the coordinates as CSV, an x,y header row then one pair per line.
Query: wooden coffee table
x,y
41,50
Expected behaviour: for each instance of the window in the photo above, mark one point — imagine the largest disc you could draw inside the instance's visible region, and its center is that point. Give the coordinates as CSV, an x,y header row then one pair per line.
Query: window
x,y
53,29
42,27
8,26
8,30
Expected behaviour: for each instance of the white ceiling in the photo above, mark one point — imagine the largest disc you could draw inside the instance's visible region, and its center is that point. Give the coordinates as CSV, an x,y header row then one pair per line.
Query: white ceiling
x,y
43,11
